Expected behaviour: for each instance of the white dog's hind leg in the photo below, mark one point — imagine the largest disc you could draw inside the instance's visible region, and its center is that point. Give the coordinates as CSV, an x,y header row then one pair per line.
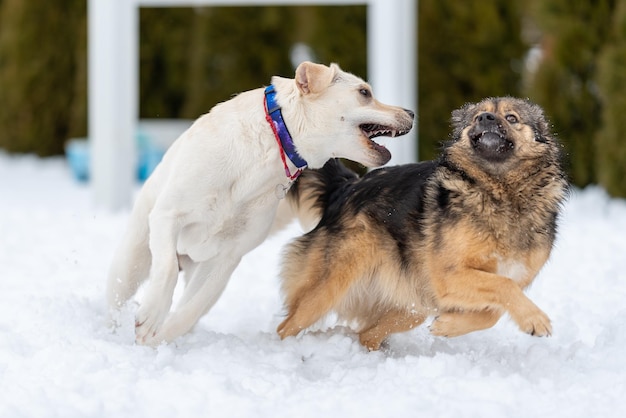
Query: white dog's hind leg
x,y
163,277
205,286
130,265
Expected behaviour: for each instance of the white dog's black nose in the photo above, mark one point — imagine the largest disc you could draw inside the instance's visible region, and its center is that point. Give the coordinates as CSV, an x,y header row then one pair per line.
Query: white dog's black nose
x,y
411,113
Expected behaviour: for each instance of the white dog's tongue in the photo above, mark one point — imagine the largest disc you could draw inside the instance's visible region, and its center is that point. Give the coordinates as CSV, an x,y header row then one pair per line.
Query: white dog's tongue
x,y
382,150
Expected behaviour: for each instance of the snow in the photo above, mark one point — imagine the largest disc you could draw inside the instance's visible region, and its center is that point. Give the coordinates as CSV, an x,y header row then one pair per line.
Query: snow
x,y
58,357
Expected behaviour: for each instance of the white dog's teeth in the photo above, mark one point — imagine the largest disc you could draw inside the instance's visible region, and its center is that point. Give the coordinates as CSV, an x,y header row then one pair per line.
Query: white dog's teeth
x,y
386,132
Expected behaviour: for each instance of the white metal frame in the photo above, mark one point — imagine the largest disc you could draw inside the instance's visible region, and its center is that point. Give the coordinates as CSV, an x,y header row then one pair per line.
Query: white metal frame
x,y
113,79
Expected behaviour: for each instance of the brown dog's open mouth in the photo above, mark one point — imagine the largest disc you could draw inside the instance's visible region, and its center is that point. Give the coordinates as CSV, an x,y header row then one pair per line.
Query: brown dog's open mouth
x,y
492,145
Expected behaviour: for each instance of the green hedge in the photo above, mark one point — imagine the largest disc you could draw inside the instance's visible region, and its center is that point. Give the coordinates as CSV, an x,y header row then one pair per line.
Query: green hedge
x,y
42,74
573,34
468,50
611,78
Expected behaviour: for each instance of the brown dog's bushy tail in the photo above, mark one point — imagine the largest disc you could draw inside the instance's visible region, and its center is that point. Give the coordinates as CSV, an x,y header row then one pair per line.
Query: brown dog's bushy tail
x,y
313,192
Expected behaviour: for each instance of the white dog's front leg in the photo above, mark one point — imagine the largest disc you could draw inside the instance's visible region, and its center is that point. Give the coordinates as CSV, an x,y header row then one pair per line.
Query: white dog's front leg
x,y
205,287
163,277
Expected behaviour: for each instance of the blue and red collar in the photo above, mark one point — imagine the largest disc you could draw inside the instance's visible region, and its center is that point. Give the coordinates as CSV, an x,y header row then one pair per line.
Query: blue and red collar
x,y
281,133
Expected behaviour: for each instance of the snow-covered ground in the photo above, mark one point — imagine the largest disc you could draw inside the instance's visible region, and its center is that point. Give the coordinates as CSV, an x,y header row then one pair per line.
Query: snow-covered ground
x,y
59,359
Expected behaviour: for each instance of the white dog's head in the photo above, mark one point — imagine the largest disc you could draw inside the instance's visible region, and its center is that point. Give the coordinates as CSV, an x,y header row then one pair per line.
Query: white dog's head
x,y
331,113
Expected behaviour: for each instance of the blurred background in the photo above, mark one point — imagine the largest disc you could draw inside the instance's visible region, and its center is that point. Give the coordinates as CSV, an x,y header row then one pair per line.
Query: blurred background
x,y
569,56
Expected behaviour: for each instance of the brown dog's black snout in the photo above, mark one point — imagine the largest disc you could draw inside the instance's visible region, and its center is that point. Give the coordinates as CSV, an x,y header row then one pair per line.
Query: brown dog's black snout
x,y
486,119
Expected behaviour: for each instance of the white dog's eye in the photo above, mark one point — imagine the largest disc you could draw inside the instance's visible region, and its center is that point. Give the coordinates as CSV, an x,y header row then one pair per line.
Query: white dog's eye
x,y
511,118
365,93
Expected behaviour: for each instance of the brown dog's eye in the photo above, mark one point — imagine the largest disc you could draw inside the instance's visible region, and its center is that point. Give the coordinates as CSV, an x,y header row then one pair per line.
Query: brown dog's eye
x,y
511,119
365,93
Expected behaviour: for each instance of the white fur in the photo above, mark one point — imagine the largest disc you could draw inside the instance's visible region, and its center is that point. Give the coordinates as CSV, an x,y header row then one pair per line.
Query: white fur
x,y
213,197
512,269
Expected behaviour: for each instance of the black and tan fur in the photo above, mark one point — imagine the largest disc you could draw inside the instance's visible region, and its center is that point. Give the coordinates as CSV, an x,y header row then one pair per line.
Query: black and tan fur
x,y
458,238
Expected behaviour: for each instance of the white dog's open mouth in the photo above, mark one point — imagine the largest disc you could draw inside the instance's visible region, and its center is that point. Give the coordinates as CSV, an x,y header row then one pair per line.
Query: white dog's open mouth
x,y
372,130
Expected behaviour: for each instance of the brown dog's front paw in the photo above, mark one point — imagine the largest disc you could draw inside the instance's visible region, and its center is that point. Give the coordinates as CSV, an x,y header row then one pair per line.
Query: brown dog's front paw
x,y
371,341
287,329
438,328
453,324
450,324
537,324
531,319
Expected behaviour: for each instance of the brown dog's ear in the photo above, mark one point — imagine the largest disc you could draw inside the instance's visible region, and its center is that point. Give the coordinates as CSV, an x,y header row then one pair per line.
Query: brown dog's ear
x,y
461,118
313,78
457,117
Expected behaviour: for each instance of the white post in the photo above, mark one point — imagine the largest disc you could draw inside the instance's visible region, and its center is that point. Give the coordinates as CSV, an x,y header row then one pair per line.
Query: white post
x,y
392,64
113,90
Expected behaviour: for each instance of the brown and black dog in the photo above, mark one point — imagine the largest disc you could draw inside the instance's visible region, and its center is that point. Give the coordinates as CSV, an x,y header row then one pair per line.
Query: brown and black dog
x,y
458,238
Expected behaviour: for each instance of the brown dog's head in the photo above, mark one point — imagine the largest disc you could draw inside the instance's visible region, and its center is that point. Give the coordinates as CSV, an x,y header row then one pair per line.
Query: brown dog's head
x,y
502,136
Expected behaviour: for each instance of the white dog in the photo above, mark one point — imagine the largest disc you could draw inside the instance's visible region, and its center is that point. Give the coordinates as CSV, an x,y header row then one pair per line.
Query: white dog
x,y
214,196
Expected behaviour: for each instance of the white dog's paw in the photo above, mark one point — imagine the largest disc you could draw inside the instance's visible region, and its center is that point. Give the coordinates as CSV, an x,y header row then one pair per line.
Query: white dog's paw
x,y
148,320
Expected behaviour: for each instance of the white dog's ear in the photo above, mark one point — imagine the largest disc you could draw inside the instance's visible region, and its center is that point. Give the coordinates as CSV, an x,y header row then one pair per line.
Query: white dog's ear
x,y
313,78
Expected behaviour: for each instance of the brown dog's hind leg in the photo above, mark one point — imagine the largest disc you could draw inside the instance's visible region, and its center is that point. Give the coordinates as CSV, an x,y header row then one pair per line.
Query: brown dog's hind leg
x,y
313,303
455,323
390,322
315,282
